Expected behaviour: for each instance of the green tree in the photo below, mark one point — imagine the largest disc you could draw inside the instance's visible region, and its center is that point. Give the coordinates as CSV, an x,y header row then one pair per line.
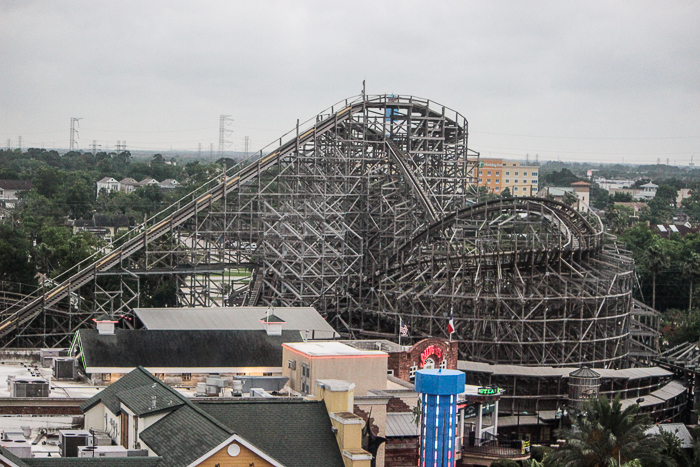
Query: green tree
x,y
609,436
691,270
656,261
15,264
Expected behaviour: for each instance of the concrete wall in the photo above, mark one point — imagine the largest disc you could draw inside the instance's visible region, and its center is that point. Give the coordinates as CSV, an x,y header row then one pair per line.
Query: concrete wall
x,y
367,372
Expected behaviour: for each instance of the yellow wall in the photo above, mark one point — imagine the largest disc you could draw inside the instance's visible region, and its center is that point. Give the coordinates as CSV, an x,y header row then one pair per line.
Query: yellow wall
x,y
244,459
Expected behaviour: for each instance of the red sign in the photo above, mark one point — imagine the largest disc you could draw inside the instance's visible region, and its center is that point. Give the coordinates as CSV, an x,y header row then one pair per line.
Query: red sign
x,y
430,350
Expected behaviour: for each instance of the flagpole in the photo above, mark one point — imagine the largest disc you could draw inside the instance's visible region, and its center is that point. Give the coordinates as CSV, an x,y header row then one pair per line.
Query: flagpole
x,y
400,324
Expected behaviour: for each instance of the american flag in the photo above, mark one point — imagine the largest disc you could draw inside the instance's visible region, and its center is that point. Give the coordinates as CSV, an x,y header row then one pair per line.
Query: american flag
x,y
403,328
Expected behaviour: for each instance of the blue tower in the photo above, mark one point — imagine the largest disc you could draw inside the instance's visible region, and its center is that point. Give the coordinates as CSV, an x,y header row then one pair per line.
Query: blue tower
x,y
438,390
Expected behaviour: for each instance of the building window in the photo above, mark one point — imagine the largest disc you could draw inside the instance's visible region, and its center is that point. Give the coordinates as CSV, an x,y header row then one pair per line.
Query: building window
x,y
515,181
534,174
488,181
305,379
498,181
187,376
515,188
292,364
481,180
498,188
488,173
267,374
443,364
516,173
507,173
507,181
534,182
412,372
481,172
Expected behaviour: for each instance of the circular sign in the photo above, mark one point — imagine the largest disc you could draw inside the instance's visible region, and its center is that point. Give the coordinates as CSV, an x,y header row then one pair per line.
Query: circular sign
x,y
234,450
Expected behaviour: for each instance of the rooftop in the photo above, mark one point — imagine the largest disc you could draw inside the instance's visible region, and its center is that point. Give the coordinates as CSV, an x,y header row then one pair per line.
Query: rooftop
x,y
332,349
235,318
129,348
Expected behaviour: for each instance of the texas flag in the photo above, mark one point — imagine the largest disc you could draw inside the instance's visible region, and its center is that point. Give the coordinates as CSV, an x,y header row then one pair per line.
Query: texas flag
x,y
451,324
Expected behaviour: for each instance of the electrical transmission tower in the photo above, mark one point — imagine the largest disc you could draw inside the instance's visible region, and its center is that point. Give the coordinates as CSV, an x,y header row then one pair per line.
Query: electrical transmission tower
x,y
19,142
95,146
74,132
9,143
246,144
224,120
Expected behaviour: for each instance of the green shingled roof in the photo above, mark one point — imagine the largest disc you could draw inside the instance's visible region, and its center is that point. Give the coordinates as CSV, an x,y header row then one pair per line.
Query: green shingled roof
x,y
149,399
296,433
183,436
108,396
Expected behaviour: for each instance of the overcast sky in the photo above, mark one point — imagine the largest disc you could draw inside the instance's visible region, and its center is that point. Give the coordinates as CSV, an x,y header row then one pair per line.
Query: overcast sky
x,y
589,81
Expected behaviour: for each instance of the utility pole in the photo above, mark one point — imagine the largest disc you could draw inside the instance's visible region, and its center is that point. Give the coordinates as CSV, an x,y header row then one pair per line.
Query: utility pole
x,y
224,120
74,132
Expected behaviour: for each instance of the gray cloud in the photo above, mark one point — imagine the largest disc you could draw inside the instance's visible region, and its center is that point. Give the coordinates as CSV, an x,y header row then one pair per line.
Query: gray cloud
x,y
159,73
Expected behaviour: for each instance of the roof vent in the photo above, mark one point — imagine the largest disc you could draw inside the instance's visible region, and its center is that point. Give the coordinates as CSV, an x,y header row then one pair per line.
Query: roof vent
x,y
272,323
105,325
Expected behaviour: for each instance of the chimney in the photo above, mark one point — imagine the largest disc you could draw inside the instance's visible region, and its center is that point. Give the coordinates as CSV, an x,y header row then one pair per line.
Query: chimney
x,y
105,325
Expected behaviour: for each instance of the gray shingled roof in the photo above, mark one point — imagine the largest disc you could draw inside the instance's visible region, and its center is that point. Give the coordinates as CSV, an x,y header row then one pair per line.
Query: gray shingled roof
x,y
296,433
183,436
183,349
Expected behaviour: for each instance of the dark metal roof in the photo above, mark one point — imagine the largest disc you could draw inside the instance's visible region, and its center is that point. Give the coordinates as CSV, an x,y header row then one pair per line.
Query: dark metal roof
x,y
16,184
183,349
296,433
584,372
272,319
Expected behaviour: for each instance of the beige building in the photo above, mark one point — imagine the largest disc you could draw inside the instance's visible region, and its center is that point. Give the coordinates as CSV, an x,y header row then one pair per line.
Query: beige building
x,y
499,174
306,362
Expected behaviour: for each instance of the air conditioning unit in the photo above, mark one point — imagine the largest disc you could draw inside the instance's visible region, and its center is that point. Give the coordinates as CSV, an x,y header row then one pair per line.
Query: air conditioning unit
x,y
48,355
17,444
65,369
70,440
29,387
102,451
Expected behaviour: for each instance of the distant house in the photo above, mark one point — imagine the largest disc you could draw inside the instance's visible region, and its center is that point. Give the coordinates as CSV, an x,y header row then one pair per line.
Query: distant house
x,y
107,184
648,192
10,190
107,227
169,184
128,185
149,181
666,230
581,192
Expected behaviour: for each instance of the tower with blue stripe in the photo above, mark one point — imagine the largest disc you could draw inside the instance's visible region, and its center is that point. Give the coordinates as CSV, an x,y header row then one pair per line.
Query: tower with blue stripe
x,y
438,390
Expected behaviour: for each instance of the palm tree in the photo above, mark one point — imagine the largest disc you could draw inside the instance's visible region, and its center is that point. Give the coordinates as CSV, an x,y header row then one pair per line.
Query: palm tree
x,y
657,260
691,270
608,436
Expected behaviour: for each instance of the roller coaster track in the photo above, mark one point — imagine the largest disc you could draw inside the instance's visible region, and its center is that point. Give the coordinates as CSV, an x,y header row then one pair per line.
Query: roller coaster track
x,y
30,307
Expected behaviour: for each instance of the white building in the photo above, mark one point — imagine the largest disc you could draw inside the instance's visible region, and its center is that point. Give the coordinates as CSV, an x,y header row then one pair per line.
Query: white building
x,y
107,184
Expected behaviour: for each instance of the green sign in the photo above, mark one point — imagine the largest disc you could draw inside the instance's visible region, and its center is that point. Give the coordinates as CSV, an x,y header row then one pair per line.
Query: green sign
x,y
470,410
488,391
